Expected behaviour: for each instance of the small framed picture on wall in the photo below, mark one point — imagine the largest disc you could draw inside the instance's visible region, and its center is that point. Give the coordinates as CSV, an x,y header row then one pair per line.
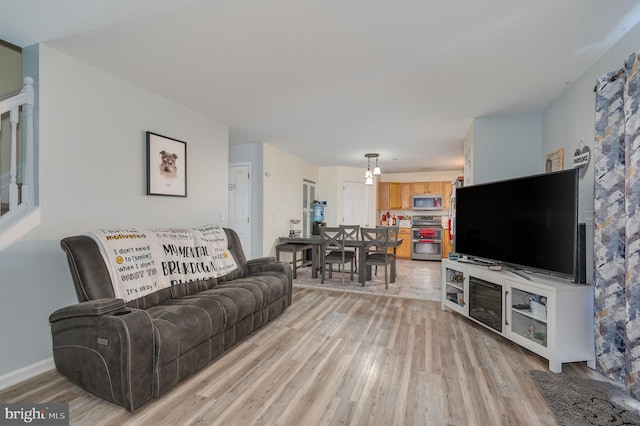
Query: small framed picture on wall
x,y
554,161
166,166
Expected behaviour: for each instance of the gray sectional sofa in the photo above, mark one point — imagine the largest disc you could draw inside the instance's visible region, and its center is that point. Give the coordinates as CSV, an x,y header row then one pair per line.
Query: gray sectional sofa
x,y
128,353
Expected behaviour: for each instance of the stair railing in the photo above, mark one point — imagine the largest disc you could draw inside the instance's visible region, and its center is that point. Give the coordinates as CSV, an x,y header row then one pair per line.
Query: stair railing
x,y
21,201
21,196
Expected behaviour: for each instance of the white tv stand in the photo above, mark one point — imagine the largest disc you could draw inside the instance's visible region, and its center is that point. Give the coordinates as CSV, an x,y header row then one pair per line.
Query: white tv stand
x,y
555,319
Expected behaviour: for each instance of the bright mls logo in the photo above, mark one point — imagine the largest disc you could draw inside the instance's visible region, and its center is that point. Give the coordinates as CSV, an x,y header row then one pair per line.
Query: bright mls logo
x,y
34,414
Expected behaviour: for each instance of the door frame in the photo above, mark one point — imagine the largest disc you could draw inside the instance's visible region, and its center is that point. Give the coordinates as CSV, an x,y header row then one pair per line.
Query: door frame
x,y
246,245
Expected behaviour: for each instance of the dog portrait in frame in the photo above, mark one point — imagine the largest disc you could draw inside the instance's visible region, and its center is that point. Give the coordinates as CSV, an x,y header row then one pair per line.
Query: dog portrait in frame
x,y
166,166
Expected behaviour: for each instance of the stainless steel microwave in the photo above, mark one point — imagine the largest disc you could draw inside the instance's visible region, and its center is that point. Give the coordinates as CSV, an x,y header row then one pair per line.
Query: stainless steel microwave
x,y
426,202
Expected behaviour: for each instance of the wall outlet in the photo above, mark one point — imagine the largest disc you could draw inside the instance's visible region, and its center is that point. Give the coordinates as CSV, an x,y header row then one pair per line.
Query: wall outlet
x,y
223,215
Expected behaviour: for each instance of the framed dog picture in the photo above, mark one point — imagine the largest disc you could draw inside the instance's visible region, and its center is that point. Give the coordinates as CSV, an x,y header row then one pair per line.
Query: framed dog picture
x,y
166,166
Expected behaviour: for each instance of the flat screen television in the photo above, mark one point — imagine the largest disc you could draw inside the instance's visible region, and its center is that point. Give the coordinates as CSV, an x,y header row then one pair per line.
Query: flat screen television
x,y
529,222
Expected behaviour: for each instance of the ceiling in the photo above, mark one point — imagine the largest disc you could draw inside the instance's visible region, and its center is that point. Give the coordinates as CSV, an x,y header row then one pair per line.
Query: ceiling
x,y
329,81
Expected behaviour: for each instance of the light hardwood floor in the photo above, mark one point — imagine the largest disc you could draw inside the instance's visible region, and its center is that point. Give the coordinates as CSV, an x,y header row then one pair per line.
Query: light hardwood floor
x,y
339,358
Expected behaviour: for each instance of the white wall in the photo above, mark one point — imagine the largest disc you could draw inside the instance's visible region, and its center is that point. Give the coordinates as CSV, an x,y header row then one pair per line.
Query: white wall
x,y
282,193
468,156
92,174
10,68
331,190
571,118
252,153
506,146
421,176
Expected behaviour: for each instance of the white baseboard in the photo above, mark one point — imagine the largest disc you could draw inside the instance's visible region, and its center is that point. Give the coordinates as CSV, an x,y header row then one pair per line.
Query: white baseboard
x,y
26,373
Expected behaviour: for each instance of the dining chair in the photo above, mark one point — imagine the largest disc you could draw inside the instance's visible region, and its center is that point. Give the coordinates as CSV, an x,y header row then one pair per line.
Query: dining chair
x,y
375,243
393,237
352,233
334,251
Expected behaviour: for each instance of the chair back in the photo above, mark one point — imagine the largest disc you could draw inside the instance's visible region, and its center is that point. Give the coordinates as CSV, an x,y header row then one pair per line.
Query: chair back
x,y
376,239
393,232
351,232
332,238
376,243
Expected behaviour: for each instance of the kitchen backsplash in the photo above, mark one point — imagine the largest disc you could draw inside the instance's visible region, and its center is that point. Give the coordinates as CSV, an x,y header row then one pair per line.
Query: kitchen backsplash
x,y
408,215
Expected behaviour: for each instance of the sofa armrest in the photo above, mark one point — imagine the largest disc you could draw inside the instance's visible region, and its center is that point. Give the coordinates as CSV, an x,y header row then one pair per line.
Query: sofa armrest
x,y
89,308
106,349
261,260
268,264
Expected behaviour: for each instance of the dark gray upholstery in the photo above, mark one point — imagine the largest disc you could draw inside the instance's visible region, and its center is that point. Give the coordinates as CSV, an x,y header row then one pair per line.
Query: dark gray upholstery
x,y
128,353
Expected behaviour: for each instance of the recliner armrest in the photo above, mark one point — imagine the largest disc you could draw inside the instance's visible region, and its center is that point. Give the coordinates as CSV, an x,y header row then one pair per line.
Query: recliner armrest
x,y
268,265
88,308
106,350
261,260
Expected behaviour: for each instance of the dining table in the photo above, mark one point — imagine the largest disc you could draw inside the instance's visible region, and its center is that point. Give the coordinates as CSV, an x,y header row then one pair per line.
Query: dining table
x,y
316,251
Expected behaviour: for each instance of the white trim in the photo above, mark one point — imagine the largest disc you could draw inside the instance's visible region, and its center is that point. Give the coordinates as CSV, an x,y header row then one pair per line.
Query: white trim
x,y
247,239
26,373
20,226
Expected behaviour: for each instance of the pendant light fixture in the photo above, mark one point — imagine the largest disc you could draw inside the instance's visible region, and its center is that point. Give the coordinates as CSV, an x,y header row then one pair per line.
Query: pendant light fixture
x,y
376,171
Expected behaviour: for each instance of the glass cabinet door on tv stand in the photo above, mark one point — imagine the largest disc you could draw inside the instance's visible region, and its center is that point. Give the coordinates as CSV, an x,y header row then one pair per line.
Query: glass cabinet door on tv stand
x,y
455,289
528,309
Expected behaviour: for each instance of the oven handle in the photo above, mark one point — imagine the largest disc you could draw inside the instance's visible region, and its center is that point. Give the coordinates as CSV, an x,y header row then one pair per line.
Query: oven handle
x,y
506,297
425,241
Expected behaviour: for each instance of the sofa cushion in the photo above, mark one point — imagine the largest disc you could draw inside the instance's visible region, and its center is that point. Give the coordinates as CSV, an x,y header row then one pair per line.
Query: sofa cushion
x,y
265,288
178,329
192,287
150,300
238,303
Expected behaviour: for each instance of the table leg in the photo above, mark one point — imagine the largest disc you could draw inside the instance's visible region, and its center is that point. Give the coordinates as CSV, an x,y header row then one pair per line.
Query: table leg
x,y
315,260
295,263
362,275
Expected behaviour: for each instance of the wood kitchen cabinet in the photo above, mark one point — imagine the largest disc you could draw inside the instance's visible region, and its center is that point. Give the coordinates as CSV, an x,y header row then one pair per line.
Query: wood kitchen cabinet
x,y
404,250
446,195
428,188
407,193
389,196
398,196
420,187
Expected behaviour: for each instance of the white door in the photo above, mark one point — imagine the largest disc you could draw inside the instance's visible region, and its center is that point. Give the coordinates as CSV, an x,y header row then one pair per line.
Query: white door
x,y
240,204
355,204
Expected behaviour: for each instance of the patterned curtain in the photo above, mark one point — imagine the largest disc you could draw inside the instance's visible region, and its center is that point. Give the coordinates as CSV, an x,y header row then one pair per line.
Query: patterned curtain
x,y
617,220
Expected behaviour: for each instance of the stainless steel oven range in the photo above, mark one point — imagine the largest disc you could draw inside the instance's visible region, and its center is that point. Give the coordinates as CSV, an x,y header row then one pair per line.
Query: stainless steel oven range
x,y
426,238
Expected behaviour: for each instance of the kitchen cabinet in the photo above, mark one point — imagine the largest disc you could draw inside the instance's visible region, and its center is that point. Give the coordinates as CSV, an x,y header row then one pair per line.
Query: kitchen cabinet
x,y
398,195
428,188
389,196
407,193
446,195
404,250
419,188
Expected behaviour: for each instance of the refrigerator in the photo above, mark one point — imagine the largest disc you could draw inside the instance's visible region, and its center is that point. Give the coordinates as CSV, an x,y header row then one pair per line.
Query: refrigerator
x,y
458,182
